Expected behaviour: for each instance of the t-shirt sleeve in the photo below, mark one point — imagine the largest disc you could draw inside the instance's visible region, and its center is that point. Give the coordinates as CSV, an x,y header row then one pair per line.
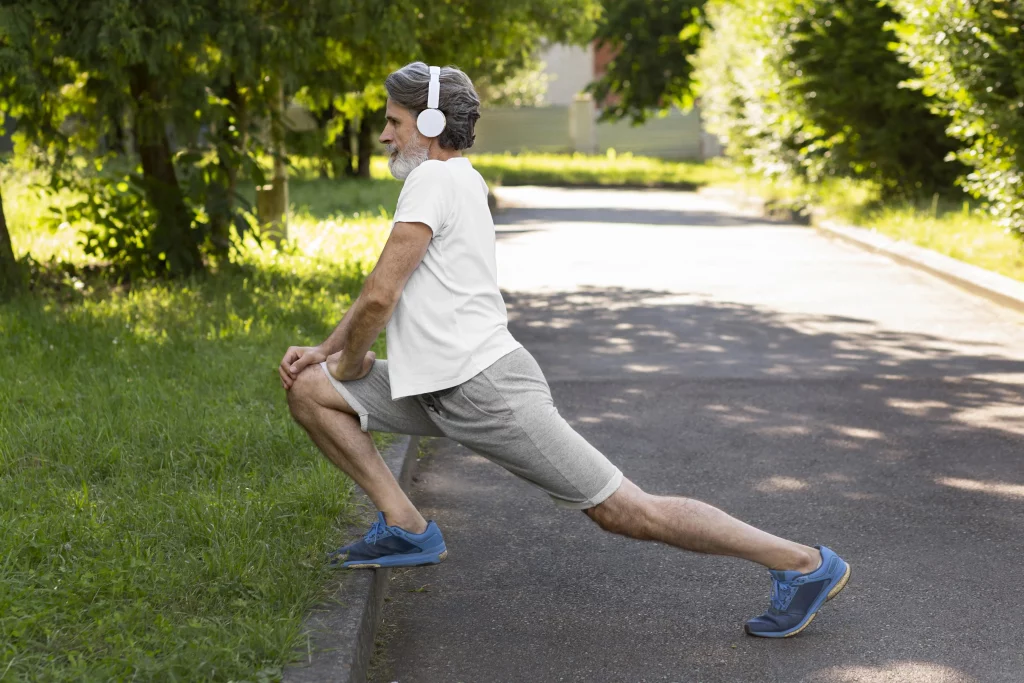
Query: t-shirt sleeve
x,y
426,197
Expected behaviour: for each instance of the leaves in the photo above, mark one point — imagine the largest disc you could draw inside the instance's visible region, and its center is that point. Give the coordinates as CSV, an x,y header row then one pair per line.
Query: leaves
x,y
969,60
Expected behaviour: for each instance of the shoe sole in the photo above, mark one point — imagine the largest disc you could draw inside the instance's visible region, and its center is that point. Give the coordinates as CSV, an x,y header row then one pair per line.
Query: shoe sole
x,y
831,594
419,560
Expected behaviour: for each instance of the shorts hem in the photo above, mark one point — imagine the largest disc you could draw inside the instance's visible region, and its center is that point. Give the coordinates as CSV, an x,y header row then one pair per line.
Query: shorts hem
x,y
353,402
611,487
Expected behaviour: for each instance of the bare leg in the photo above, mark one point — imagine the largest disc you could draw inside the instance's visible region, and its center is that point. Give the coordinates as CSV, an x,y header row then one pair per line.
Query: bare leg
x,y
699,527
334,428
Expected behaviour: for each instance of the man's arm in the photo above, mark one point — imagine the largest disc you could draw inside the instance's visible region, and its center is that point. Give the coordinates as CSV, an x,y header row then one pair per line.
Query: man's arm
x,y
371,311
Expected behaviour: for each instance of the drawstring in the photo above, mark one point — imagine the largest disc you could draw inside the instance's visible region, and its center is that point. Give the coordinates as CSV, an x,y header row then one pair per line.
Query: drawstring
x,y
433,403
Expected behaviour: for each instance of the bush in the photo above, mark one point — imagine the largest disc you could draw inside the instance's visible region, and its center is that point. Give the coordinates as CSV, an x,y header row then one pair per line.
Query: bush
x,y
810,87
969,60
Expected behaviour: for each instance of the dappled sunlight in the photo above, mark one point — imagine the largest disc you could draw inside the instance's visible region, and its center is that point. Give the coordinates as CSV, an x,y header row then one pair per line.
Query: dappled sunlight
x,y
895,672
1008,417
697,336
860,432
793,406
994,488
777,484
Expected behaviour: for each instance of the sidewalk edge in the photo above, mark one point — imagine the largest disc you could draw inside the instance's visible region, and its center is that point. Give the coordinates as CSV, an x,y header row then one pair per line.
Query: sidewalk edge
x,y
990,285
996,288
342,629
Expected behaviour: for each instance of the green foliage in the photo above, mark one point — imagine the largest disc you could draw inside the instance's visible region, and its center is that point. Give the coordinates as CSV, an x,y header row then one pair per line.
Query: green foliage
x,y
186,92
809,87
970,61
652,43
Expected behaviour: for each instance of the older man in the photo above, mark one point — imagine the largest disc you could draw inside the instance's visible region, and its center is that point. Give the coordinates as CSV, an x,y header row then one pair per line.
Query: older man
x,y
454,370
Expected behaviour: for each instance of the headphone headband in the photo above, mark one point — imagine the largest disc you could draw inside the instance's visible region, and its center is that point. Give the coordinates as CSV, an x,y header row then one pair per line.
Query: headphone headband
x,y
431,121
434,92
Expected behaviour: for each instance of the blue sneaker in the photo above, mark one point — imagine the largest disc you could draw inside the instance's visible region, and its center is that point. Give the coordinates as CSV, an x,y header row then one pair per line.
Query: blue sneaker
x,y
797,597
391,546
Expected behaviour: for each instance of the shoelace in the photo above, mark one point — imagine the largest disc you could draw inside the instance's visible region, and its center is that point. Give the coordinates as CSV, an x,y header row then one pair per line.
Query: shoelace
x,y
377,531
782,595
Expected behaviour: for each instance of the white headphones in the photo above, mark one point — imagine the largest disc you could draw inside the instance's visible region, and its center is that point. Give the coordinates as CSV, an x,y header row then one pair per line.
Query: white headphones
x,y
431,122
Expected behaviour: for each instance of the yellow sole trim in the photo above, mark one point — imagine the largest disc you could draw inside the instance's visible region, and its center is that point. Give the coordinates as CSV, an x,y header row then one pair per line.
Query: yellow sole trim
x,y
831,594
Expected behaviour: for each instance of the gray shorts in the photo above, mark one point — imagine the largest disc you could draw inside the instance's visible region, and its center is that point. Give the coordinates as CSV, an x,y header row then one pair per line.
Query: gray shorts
x,y
505,414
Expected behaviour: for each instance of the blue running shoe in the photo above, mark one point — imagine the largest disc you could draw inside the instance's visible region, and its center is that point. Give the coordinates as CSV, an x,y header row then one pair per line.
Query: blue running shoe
x,y
797,597
391,546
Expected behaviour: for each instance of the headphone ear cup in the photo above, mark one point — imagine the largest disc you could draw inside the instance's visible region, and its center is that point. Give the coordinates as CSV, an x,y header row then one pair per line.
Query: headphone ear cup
x,y
430,122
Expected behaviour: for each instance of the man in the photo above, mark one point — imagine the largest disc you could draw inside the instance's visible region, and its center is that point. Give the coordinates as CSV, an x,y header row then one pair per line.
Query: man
x,y
454,370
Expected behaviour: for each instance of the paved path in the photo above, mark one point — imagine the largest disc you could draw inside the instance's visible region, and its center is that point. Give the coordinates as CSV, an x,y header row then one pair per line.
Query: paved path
x,y
807,387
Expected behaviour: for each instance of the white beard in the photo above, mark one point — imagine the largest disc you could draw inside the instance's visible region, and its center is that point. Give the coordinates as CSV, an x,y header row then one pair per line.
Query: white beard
x,y
402,164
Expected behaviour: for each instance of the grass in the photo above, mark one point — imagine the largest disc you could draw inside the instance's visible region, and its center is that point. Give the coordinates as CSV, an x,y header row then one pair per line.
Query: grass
x,y
955,227
163,518
605,170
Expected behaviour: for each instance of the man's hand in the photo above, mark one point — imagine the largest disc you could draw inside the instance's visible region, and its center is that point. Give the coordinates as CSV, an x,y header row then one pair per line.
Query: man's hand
x,y
345,370
295,360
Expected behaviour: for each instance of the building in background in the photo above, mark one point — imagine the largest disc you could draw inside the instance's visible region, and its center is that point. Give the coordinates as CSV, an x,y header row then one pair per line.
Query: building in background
x,y
566,120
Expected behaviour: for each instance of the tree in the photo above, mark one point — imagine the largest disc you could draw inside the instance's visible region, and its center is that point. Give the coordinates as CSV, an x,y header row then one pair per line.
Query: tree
x,y
10,270
969,58
651,69
810,87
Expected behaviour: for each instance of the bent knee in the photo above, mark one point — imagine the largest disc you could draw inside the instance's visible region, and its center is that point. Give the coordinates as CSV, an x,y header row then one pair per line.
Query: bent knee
x,y
302,394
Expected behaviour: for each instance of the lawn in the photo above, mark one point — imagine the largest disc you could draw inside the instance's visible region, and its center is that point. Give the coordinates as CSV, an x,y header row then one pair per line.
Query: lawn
x,y
163,518
601,170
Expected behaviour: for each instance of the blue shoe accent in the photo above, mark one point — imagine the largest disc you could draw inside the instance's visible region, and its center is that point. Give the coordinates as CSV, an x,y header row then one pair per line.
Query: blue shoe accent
x,y
391,546
797,597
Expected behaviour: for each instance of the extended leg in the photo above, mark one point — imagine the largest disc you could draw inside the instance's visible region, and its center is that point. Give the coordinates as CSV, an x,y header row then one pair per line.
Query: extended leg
x,y
693,525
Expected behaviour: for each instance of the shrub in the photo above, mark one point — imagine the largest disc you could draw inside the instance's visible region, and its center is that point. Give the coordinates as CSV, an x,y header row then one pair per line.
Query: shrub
x,y
811,87
969,57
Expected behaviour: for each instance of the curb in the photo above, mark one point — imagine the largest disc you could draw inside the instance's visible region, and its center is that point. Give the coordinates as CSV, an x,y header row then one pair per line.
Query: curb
x,y
341,629
995,287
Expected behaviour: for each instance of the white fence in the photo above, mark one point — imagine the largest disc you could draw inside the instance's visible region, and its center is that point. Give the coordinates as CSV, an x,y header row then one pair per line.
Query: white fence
x,y
547,129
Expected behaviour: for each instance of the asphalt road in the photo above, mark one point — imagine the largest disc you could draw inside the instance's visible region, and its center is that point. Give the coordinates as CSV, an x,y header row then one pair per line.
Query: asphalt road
x,y
807,387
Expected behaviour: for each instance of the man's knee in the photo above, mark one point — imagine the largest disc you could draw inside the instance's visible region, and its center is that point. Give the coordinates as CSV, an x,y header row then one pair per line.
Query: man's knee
x,y
302,395
624,512
311,392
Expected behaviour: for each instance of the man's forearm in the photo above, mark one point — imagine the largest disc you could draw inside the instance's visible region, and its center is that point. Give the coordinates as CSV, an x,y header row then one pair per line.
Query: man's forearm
x,y
335,341
358,330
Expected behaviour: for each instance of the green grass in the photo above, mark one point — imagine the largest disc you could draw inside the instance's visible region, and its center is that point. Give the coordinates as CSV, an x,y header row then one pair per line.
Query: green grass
x,y
956,228
162,517
621,170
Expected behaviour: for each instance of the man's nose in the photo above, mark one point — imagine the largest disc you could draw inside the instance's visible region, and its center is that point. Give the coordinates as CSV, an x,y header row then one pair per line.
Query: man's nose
x,y
384,137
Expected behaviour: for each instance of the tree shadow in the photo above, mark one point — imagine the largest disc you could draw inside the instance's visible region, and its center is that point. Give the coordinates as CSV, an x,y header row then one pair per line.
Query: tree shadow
x,y
903,451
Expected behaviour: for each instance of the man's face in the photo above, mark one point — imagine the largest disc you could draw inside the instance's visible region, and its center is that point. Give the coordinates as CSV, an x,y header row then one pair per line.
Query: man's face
x,y
406,148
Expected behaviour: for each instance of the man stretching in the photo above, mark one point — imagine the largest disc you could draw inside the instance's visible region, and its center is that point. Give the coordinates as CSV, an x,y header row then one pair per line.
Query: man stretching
x,y
454,370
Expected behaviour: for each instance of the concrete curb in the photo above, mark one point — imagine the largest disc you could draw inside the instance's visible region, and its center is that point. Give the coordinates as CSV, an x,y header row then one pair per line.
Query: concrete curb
x,y
342,629
996,288
993,286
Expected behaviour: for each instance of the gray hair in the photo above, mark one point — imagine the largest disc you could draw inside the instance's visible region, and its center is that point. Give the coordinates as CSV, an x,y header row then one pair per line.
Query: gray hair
x,y
458,101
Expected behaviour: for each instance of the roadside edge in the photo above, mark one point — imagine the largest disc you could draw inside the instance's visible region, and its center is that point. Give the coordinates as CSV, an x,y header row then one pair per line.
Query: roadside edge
x,y
995,287
341,630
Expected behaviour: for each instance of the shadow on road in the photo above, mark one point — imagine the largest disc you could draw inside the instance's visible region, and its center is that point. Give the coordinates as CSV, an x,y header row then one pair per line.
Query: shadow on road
x,y
905,451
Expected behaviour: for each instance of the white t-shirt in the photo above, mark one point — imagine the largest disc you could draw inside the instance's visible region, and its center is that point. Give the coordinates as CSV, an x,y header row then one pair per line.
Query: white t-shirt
x,y
450,322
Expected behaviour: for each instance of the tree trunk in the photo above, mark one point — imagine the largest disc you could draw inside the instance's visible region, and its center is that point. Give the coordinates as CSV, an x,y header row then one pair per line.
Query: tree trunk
x,y
172,236
221,207
342,157
10,271
272,200
367,128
